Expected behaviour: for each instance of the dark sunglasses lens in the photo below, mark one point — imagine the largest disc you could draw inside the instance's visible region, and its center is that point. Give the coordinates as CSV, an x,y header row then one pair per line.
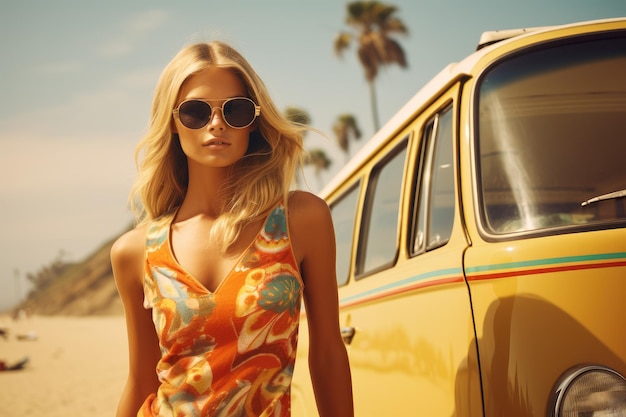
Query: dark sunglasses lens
x,y
194,114
239,112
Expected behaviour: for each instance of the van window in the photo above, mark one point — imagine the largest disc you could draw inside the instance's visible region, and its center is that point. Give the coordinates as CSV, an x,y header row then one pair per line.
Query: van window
x,y
550,140
343,212
378,243
434,196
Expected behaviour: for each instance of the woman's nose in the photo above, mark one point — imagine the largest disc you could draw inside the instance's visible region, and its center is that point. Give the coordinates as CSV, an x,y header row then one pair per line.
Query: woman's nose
x,y
216,121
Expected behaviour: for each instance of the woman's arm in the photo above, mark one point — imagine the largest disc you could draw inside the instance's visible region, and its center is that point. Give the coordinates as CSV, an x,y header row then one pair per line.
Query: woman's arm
x,y
127,259
314,244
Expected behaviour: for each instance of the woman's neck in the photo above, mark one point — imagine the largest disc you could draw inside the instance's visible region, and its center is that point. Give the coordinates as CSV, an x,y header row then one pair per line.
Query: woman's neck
x,y
206,192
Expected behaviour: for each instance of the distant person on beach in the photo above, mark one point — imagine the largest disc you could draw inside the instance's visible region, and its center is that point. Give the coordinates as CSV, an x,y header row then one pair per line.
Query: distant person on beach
x,y
213,277
16,366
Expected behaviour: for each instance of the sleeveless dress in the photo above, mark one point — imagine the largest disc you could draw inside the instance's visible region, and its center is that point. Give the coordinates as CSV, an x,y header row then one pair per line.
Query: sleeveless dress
x,y
230,352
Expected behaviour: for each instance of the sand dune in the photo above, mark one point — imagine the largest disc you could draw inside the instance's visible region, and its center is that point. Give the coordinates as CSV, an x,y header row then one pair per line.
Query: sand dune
x,y
77,366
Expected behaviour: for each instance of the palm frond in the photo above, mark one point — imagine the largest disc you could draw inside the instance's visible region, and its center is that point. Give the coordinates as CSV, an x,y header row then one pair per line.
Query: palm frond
x,y
342,42
298,115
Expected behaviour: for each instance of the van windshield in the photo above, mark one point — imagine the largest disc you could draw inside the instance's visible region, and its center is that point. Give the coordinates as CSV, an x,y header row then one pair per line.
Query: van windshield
x,y
551,138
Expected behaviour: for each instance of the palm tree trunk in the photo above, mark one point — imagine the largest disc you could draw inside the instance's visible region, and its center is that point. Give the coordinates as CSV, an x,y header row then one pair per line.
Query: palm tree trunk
x,y
374,103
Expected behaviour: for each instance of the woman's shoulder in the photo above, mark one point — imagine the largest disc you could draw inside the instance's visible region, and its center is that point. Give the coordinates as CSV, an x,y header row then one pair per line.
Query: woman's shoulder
x,y
309,216
127,256
130,246
304,203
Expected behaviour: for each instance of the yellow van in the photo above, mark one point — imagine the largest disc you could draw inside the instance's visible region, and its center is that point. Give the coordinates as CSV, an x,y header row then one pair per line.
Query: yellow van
x,y
481,237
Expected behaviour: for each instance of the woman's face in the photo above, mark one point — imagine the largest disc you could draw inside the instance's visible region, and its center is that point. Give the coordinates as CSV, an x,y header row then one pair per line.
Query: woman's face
x,y
216,145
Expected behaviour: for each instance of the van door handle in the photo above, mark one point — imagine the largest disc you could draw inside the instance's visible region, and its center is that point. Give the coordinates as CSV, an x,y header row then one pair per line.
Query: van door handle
x,y
347,333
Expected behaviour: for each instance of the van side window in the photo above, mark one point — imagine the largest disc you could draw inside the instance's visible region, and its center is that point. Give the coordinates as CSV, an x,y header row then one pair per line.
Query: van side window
x,y
378,243
343,213
434,196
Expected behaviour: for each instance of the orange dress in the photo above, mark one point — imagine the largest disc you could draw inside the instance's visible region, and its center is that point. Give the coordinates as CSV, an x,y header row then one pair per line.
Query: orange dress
x,y
230,352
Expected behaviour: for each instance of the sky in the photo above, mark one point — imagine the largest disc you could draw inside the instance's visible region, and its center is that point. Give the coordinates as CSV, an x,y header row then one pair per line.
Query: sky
x,y
77,78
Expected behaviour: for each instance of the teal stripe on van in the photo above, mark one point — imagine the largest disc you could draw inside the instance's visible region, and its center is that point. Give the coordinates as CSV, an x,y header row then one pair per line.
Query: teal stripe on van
x,y
548,261
443,276
404,282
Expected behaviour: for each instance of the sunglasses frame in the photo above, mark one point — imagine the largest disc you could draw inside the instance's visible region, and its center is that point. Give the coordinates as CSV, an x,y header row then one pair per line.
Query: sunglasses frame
x,y
257,111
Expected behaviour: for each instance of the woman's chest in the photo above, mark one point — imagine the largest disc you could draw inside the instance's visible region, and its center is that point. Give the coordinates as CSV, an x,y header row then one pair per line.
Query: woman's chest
x,y
198,253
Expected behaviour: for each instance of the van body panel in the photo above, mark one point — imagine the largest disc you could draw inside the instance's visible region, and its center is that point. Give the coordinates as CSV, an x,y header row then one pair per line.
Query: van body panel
x,y
414,337
544,305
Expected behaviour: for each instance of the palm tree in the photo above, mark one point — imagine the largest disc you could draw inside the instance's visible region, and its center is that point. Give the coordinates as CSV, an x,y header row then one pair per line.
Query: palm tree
x,y
374,23
318,159
315,157
345,128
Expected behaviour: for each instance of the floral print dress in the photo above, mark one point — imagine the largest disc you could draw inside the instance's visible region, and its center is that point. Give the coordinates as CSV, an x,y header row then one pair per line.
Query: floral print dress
x,y
230,352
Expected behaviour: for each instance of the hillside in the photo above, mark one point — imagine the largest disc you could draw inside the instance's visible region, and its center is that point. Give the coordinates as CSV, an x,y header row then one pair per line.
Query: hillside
x,y
79,289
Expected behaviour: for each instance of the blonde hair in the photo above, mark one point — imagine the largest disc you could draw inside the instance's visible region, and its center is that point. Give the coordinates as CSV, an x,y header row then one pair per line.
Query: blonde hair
x,y
259,180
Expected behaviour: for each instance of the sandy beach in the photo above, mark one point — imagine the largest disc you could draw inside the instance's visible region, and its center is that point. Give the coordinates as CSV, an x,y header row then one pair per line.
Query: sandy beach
x,y
76,366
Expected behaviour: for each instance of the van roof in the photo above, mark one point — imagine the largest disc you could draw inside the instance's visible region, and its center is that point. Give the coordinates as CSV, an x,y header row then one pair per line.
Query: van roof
x,y
492,36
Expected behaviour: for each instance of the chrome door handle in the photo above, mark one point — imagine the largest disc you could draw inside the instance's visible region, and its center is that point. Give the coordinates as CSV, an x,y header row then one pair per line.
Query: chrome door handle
x,y
347,333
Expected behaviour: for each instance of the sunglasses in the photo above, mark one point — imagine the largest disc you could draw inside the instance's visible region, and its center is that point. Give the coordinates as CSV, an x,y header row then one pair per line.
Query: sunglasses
x,y
237,112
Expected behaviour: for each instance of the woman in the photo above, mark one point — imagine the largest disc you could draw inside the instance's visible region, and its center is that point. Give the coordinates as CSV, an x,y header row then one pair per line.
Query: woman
x,y
224,253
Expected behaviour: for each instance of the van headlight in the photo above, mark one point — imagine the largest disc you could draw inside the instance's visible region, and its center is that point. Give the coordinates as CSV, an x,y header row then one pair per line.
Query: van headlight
x,y
589,391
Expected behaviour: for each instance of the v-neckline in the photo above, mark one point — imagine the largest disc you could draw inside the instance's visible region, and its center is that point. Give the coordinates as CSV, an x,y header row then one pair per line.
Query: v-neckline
x,y
200,286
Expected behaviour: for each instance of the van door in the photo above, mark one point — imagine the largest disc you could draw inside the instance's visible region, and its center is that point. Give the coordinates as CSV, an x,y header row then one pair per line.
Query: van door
x,y
405,310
